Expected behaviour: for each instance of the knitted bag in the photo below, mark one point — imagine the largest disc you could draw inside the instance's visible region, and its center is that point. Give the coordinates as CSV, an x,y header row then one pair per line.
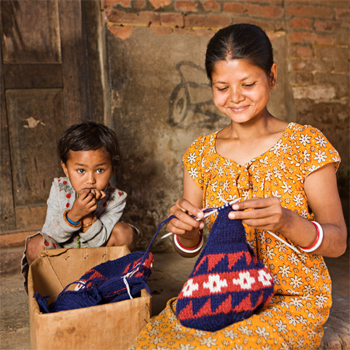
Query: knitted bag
x,y
228,283
111,281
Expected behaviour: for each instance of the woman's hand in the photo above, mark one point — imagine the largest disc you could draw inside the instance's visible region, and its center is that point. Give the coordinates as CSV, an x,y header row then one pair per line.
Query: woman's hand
x,y
261,213
185,224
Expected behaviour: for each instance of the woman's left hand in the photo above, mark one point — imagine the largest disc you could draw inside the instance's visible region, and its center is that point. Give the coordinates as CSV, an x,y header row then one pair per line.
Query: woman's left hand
x,y
260,213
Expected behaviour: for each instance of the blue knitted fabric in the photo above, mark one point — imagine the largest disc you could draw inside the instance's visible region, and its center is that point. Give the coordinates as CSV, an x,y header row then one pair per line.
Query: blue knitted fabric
x,y
228,283
111,281
104,283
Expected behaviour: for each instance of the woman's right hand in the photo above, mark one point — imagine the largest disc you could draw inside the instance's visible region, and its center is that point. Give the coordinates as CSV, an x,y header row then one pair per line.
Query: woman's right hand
x,y
184,224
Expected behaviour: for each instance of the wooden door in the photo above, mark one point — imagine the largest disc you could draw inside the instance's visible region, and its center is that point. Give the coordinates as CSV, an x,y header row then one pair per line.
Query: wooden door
x,y
49,74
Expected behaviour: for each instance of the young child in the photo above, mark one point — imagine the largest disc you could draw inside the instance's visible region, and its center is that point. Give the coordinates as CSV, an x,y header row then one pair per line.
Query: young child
x,y
284,175
84,210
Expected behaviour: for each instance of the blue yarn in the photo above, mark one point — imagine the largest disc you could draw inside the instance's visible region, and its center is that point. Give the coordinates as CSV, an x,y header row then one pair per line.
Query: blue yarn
x,y
106,282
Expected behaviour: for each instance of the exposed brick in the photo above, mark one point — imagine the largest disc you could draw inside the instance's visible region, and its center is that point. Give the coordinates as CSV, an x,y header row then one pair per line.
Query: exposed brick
x,y
309,11
110,3
186,5
340,82
332,3
234,8
331,52
327,26
121,32
310,38
301,78
341,39
161,30
207,32
304,65
265,25
160,3
145,17
300,51
206,21
172,19
342,13
139,3
263,11
314,92
211,5
300,23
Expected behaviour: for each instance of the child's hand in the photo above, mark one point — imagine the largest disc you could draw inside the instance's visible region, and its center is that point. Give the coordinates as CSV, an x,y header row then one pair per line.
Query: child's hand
x,y
85,204
260,213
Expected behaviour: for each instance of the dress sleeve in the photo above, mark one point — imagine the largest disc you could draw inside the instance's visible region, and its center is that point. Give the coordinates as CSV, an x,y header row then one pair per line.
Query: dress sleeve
x,y
316,151
99,232
193,161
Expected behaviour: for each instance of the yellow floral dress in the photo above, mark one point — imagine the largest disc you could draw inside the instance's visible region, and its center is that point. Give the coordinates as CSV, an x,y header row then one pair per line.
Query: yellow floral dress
x,y
294,317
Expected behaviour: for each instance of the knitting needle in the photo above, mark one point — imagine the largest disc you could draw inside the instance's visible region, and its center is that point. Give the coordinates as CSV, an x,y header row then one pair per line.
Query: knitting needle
x,y
283,241
207,214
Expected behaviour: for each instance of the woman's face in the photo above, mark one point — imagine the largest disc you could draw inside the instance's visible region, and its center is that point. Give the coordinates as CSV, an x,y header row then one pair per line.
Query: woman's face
x,y
241,90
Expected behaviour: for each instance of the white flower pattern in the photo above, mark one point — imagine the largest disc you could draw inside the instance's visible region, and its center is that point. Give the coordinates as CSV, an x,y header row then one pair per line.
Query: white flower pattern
x,y
294,317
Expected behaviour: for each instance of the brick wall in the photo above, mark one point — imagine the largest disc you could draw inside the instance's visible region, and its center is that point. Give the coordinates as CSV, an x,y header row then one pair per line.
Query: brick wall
x,y
311,39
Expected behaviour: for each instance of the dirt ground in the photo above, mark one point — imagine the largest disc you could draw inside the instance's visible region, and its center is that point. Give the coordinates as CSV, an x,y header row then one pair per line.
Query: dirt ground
x,y
169,273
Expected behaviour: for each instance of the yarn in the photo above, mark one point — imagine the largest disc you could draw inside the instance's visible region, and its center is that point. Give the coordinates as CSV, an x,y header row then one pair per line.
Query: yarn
x,y
228,283
108,282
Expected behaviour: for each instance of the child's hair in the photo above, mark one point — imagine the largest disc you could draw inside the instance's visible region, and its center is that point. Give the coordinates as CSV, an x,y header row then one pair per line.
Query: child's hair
x,y
240,41
89,136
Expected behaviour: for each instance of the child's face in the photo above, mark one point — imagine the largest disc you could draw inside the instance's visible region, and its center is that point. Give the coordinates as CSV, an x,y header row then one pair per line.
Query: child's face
x,y
88,169
241,90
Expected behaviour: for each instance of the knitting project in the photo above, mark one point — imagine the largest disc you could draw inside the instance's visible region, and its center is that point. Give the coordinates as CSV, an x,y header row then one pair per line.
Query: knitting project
x,y
228,283
111,281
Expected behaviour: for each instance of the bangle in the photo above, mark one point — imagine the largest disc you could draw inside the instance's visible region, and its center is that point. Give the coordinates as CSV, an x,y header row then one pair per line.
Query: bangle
x,y
318,239
90,223
70,221
194,249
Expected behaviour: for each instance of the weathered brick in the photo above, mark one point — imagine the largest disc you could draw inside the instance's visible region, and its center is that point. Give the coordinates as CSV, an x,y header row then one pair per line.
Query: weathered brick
x,y
211,5
206,21
331,52
300,51
110,3
161,30
300,23
327,26
309,11
301,37
233,8
144,17
139,3
340,82
263,11
160,3
342,14
121,32
186,5
314,92
301,78
264,24
172,19
303,65
341,39
196,31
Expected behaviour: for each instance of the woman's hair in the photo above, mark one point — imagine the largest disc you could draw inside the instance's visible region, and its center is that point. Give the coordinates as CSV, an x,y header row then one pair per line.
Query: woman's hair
x,y
240,41
89,136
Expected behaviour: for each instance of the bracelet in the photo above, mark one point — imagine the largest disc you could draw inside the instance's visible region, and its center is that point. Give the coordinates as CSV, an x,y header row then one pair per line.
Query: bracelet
x,y
318,239
70,221
194,249
90,223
